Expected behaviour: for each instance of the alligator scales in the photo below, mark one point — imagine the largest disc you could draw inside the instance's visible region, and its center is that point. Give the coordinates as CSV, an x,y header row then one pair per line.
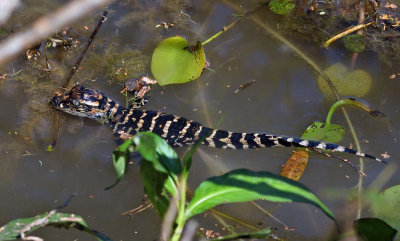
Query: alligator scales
x,y
177,131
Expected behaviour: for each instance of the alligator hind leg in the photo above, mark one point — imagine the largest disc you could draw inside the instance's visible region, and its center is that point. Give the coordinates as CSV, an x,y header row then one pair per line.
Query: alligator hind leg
x,y
346,161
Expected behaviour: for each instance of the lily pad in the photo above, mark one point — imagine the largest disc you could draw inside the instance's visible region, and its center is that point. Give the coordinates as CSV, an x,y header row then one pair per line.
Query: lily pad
x,y
175,62
354,83
319,131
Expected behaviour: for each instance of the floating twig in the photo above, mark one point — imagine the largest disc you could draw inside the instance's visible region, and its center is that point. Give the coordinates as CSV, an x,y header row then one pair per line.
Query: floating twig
x,y
346,32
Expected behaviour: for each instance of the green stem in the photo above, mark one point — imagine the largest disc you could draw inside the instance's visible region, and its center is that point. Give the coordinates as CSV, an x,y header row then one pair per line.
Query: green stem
x,y
180,220
349,101
233,24
222,31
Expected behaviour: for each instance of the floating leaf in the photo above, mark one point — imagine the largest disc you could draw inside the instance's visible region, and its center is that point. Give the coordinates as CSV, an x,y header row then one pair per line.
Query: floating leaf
x,y
281,7
295,165
243,185
175,62
386,206
354,43
373,229
319,131
24,226
355,83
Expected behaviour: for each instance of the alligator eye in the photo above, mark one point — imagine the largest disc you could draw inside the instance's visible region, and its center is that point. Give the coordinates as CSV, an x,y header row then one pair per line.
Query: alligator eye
x,y
75,103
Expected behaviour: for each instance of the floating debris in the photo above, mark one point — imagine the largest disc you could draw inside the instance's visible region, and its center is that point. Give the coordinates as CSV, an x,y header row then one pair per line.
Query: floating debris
x,y
244,86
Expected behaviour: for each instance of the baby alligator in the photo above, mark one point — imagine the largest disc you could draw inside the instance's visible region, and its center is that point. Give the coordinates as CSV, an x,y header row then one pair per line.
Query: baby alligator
x,y
177,131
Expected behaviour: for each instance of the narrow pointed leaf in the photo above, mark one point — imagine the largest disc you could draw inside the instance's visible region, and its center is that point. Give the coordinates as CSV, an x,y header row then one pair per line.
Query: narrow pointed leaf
x,y
24,226
121,156
154,183
159,169
243,185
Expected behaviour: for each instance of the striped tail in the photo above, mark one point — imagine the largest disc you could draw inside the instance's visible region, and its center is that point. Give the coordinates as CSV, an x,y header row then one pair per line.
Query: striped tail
x,y
232,140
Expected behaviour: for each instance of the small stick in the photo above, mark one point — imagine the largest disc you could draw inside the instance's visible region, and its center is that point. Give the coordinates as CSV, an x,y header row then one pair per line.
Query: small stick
x,y
71,73
55,136
346,32
78,61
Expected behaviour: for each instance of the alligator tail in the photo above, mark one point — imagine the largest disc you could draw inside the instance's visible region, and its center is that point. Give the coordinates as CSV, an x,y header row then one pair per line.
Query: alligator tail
x,y
233,140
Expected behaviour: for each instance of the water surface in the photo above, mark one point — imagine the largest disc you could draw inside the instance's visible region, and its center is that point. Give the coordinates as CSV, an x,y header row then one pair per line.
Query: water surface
x,y
284,100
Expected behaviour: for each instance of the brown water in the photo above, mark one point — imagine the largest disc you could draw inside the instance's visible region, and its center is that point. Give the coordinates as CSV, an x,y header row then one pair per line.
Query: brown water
x,y
284,100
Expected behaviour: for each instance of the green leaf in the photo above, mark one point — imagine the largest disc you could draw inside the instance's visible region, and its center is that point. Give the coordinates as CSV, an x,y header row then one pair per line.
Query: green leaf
x,y
154,186
253,235
159,169
319,131
156,150
243,185
121,157
354,83
174,62
24,226
372,229
386,206
281,7
50,148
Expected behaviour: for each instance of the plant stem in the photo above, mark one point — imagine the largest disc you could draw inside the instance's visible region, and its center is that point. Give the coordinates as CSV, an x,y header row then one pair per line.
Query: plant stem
x,y
222,31
346,32
349,101
180,220
233,24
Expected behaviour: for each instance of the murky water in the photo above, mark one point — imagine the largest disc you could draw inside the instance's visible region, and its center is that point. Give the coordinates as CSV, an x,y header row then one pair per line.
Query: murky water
x,y
284,100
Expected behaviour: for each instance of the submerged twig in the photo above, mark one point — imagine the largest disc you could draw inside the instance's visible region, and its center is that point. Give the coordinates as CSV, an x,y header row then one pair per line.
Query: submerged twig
x,y
339,158
270,215
55,135
89,42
